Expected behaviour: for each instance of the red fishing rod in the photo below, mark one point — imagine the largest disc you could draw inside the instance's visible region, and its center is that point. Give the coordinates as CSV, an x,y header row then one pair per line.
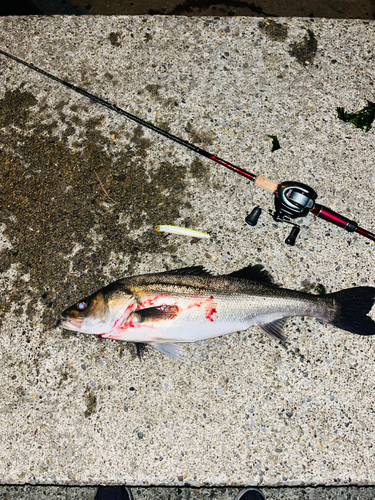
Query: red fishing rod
x,y
292,199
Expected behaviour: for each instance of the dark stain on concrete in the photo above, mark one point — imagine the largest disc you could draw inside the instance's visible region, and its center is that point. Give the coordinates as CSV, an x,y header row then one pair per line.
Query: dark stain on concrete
x,y
153,89
91,403
139,143
52,203
14,108
195,137
307,286
201,138
64,378
304,51
115,39
163,125
166,102
199,170
275,31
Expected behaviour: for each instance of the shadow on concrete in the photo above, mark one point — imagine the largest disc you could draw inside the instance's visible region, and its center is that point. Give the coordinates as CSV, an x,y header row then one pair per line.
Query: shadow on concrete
x,y
339,9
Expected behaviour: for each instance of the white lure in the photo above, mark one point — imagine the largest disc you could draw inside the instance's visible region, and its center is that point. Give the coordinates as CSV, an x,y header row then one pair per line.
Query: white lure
x,y
182,231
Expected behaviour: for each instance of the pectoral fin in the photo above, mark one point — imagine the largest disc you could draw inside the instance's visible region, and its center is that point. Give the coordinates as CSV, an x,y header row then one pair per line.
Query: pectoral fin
x,y
171,350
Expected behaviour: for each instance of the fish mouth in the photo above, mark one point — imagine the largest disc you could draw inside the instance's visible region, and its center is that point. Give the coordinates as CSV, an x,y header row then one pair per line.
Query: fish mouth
x,y
70,323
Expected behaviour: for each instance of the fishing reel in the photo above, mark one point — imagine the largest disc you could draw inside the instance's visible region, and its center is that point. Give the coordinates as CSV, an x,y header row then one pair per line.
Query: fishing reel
x,y
293,200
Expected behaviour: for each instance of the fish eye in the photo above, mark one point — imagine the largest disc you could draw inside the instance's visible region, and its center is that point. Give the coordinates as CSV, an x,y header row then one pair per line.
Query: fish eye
x,y
82,305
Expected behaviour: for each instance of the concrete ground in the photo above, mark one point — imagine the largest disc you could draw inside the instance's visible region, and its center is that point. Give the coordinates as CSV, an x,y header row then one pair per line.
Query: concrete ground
x,y
82,189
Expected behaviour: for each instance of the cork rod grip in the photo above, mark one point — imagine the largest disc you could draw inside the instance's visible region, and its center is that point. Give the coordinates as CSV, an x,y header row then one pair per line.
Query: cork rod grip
x,y
264,183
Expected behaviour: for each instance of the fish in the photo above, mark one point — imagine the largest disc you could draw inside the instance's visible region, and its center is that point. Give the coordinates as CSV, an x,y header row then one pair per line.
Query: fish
x,y
190,304
182,231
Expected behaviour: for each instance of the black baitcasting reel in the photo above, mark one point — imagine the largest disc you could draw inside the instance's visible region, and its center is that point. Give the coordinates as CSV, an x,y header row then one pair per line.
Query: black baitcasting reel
x,y
292,200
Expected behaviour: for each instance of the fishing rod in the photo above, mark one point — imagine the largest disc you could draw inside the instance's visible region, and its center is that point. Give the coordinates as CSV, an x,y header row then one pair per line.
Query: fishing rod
x,y
293,199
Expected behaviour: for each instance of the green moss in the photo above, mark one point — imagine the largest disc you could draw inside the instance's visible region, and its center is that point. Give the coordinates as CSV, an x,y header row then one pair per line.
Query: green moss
x,y
320,289
275,142
363,119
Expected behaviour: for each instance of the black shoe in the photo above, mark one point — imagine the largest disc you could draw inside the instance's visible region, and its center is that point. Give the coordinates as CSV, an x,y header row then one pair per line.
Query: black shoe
x,y
113,493
250,493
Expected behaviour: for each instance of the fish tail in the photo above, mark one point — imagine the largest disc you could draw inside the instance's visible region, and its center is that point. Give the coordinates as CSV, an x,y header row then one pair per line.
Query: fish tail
x,y
354,305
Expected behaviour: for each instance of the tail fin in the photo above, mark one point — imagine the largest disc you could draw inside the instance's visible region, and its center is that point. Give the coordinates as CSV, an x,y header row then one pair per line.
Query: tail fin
x,y
354,304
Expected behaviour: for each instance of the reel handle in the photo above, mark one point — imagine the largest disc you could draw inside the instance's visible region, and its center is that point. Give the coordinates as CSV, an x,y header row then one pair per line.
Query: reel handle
x,y
252,218
291,239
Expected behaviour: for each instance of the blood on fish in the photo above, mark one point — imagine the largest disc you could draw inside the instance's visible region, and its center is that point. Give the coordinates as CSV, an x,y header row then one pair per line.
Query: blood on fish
x,y
196,304
210,313
118,323
124,315
130,324
209,305
150,302
210,309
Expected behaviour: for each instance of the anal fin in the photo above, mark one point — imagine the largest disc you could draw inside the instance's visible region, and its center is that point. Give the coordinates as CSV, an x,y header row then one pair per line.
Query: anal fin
x,y
275,329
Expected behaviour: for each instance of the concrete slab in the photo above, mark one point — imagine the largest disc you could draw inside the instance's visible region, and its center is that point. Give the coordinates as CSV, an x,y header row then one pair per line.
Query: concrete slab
x,y
242,410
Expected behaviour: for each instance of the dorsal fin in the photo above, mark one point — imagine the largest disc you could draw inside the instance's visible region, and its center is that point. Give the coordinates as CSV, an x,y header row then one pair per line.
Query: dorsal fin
x,y
191,271
254,273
